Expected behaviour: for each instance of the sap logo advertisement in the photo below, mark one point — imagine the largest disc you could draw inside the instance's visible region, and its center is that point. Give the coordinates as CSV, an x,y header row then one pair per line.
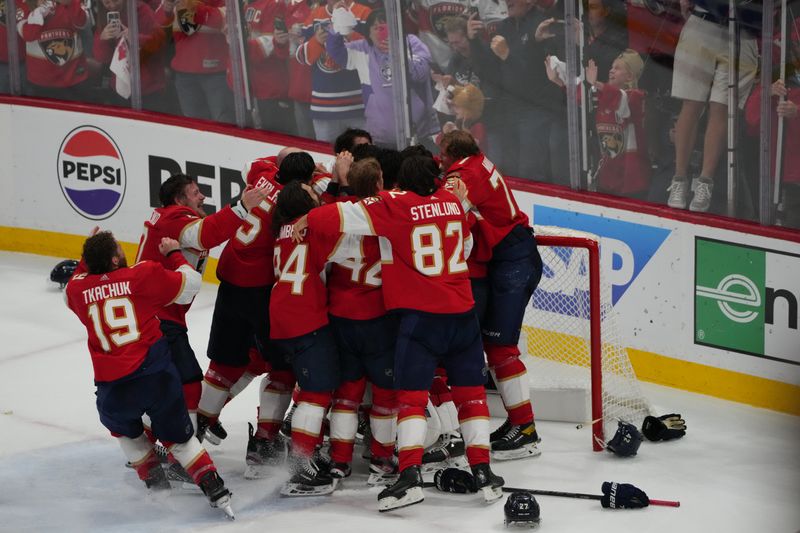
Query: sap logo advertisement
x,y
625,249
91,172
746,300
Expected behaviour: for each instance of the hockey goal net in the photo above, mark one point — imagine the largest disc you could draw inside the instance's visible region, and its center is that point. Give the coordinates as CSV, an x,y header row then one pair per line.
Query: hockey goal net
x,y
571,336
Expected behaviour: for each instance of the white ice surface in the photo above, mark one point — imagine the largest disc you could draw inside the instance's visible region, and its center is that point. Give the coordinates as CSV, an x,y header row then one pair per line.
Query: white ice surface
x,y
737,470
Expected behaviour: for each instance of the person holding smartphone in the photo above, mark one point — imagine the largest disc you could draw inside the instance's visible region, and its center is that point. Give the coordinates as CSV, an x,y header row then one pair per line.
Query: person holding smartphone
x,y
111,28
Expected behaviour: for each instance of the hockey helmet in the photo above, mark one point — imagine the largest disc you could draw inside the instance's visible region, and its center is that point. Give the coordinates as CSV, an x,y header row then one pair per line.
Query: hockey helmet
x,y
63,271
626,440
521,508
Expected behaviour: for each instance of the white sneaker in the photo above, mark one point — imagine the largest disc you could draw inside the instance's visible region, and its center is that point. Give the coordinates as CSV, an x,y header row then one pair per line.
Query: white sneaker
x,y
677,194
702,188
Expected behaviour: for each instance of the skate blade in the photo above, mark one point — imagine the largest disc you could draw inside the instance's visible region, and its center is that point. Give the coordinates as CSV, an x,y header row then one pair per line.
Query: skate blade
x,y
529,450
530,524
379,480
492,494
297,490
211,438
412,496
224,504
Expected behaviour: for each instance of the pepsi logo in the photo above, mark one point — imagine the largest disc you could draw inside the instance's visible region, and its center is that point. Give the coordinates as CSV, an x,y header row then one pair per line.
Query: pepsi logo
x,y
91,172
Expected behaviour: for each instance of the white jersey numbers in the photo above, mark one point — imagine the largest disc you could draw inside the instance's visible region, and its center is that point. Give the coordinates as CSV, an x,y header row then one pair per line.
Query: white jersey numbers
x,y
294,270
119,317
428,253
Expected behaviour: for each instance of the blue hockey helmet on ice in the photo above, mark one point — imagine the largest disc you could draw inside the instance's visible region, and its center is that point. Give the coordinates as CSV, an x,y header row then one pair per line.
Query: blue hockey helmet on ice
x,y
626,440
63,271
521,508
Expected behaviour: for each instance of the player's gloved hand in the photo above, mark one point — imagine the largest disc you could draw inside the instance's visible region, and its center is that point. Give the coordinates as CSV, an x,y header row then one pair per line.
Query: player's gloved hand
x,y
623,496
454,480
343,21
665,427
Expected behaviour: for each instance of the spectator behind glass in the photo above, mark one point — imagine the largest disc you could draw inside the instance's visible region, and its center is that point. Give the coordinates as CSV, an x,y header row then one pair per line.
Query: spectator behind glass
x,y
531,138
349,139
201,55
299,73
606,36
267,58
624,166
152,41
54,49
467,104
7,21
370,57
431,16
785,102
700,78
336,101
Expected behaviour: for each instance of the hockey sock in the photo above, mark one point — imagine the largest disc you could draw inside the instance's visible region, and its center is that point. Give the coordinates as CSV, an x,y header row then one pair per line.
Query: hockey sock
x,y
148,431
473,414
191,395
217,385
440,392
344,419
139,452
512,382
193,458
411,427
383,422
256,367
276,393
307,421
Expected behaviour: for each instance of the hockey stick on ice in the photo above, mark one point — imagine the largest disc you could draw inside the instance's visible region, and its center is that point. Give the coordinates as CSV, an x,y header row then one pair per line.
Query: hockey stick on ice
x,y
581,496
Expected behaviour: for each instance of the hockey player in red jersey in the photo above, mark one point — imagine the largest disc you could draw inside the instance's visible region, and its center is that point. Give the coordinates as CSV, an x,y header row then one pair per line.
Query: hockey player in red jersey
x,y
133,370
505,272
426,285
365,337
182,218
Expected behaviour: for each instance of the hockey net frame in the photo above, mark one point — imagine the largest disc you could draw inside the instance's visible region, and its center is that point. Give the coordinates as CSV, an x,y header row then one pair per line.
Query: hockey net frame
x,y
570,328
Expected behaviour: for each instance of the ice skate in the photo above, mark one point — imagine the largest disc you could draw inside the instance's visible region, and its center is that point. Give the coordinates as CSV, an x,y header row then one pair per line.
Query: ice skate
x,y
156,479
262,455
382,471
406,491
210,432
161,454
487,482
218,496
340,470
309,478
286,426
178,476
447,452
516,442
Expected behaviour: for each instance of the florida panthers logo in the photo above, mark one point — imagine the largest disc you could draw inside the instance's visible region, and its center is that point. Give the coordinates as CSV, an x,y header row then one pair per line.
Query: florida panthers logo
x,y
186,21
58,51
439,13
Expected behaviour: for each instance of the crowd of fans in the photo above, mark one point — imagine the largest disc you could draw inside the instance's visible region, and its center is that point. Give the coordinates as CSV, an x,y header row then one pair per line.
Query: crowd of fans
x,y
655,74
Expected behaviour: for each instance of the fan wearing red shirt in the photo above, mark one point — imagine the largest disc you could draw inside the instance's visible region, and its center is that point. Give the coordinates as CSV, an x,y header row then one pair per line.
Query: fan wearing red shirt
x,y
133,370
508,259
182,218
426,285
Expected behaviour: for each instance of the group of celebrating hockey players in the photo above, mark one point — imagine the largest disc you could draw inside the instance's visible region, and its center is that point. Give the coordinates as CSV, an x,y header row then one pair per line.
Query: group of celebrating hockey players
x,y
331,282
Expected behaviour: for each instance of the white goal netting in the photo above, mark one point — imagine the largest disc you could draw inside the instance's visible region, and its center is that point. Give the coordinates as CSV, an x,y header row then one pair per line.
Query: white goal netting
x,y
557,333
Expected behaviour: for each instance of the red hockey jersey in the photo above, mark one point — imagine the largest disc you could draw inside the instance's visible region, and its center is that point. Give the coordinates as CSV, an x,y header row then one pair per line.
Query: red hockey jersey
x,y
491,200
267,59
354,283
424,266
119,311
299,300
200,45
246,260
54,49
197,235
624,162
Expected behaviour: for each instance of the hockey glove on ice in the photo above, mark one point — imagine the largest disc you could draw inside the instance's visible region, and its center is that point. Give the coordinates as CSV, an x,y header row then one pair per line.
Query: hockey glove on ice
x,y
623,496
665,427
454,480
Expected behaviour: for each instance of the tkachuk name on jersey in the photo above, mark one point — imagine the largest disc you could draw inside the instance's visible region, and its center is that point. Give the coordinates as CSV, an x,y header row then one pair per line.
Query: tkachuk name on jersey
x,y
422,212
104,292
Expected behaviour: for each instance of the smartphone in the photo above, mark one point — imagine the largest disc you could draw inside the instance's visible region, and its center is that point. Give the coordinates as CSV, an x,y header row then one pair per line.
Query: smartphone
x,y
469,11
112,18
280,24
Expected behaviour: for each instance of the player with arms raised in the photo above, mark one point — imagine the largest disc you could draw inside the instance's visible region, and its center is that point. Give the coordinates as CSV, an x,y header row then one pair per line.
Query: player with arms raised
x,y
133,371
505,271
